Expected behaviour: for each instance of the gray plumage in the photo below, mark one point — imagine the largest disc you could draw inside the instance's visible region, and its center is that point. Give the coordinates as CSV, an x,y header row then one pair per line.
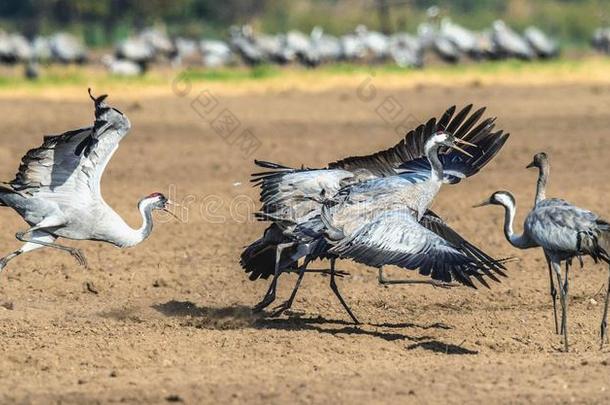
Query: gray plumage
x,y
57,189
406,50
508,43
352,47
328,47
135,49
562,230
446,49
540,43
376,44
66,48
395,237
215,53
465,40
122,67
601,40
243,43
293,198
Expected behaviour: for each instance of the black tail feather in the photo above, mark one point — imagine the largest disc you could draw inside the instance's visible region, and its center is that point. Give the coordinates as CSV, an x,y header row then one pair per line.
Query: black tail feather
x,y
258,259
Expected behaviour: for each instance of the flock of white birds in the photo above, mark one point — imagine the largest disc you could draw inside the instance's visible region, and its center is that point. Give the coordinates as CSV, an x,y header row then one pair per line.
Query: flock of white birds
x,y
135,54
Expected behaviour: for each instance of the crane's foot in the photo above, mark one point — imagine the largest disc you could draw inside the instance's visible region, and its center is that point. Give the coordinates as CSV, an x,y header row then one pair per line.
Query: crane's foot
x,y
444,285
433,283
268,300
3,263
79,256
326,272
280,309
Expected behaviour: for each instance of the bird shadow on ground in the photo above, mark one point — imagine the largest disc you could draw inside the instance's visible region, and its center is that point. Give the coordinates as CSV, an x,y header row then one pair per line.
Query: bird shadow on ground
x,y
441,347
242,317
223,318
318,324
436,325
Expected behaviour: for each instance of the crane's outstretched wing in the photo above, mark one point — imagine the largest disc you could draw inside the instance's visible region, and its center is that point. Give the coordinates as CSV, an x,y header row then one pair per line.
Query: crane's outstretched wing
x,y
396,238
488,264
411,148
283,186
73,162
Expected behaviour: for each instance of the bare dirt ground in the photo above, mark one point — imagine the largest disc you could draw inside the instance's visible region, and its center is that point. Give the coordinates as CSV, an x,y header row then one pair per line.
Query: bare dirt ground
x,y
169,320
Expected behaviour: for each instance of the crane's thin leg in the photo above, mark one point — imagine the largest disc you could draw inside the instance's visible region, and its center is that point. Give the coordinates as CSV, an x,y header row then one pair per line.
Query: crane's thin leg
x,y
563,299
384,281
270,295
553,293
4,261
333,286
288,303
565,289
28,247
47,225
604,327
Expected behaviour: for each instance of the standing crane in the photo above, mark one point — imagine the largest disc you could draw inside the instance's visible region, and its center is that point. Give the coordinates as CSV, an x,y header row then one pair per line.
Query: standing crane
x,y
563,231
508,43
544,46
57,189
293,197
66,48
540,161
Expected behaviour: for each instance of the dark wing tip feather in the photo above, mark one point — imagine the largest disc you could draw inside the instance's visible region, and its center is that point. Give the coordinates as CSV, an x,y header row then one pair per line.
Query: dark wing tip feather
x,y
482,264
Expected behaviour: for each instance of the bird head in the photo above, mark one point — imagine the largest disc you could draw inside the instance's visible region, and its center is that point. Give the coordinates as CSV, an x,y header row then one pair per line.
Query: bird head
x,y
503,198
156,201
540,160
443,138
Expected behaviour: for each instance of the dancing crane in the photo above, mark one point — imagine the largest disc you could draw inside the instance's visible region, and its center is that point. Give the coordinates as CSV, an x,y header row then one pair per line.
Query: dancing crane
x,y
292,197
57,189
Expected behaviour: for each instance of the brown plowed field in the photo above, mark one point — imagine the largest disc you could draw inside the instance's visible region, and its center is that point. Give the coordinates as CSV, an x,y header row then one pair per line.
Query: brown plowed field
x,y
169,320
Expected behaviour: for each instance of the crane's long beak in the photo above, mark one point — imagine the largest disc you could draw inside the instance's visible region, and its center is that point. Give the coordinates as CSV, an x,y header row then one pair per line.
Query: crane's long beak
x,y
482,204
461,150
530,165
463,142
166,209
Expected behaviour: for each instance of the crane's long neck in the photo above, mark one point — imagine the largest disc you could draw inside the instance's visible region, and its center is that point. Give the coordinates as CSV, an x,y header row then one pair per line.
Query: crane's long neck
x,y
435,163
518,241
147,221
543,176
128,237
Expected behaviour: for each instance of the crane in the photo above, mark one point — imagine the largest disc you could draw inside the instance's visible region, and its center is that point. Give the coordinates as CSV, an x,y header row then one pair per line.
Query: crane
x,y
381,222
292,197
509,43
563,231
57,189
544,46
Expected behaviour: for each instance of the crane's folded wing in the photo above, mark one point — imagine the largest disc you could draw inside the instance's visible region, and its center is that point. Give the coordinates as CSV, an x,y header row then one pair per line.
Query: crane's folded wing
x,y
564,227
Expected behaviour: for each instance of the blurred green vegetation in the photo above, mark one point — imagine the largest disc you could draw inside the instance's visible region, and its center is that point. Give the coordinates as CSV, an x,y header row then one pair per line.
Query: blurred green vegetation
x,y
102,22
82,76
